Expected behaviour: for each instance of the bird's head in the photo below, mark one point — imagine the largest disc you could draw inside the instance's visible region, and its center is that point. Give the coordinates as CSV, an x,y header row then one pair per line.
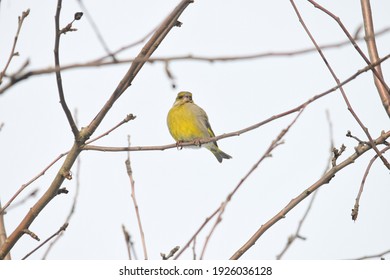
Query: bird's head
x,y
183,97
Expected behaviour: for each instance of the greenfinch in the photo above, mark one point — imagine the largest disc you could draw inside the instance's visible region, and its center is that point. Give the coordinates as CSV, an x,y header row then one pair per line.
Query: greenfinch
x,y
188,122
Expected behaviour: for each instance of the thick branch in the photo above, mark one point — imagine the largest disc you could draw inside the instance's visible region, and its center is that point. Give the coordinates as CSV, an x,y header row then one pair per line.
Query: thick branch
x,y
64,171
373,53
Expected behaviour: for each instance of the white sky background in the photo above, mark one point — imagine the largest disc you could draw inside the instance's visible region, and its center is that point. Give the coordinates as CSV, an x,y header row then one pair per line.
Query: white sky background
x,y
177,190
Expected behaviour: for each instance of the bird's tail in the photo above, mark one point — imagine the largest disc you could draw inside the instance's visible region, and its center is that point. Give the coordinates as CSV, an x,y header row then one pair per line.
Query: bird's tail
x,y
219,154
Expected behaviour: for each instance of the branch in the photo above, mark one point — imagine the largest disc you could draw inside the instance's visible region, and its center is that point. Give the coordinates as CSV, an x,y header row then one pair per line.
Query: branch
x,y
384,88
61,229
24,186
132,183
380,255
297,234
13,53
102,61
373,53
238,132
350,109
58,73
96,30
359,150
146,52
85,133
355,210
71,211
129,243
3,234
275,143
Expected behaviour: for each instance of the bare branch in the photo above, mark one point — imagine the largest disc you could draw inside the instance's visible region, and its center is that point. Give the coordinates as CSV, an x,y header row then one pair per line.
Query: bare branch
x,y
297,234
385,90
355,210
360,150
380,255
132,183
171,253
102,61
238,132
275,143
58,73
62,228
96,30
24,186
72,209
373,53
350,109
127,236
3,234
13,53
85,133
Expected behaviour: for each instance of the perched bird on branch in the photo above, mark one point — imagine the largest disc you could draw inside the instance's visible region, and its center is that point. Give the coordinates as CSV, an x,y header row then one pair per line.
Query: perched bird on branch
x,y
188,122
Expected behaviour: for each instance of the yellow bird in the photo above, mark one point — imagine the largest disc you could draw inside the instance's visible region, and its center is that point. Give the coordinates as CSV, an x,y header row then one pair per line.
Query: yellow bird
x,y
188,122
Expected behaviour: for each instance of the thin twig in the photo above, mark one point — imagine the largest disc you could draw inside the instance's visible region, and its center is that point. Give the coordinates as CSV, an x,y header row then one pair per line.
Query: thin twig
x,y
373,53
194,249
100,62
136,208
128,118
297,234
380,255
192,239
96,30
32,194
86,132
359,151
58,33
355,210
238,132
24,186
62,228
126,234
275,143
3,234
353,42
13,53
346,100
170,254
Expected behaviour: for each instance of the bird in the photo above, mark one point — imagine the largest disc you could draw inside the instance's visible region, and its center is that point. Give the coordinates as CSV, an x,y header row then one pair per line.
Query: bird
x,y
188,122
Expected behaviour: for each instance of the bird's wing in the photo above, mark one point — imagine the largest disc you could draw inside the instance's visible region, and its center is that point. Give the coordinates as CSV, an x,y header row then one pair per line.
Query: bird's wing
x,y
204,123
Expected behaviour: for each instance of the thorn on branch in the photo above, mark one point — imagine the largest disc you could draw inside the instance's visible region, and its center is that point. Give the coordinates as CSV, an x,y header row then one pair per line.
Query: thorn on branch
x,y
62,191
178,23
33,235
171,253
337,153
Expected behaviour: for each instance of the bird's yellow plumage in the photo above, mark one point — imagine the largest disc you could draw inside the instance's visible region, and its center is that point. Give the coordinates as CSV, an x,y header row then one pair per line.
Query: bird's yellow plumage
x,y
187,122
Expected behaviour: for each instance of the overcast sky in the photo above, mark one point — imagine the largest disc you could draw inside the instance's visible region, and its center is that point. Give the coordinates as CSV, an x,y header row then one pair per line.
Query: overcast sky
x,y
177,190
